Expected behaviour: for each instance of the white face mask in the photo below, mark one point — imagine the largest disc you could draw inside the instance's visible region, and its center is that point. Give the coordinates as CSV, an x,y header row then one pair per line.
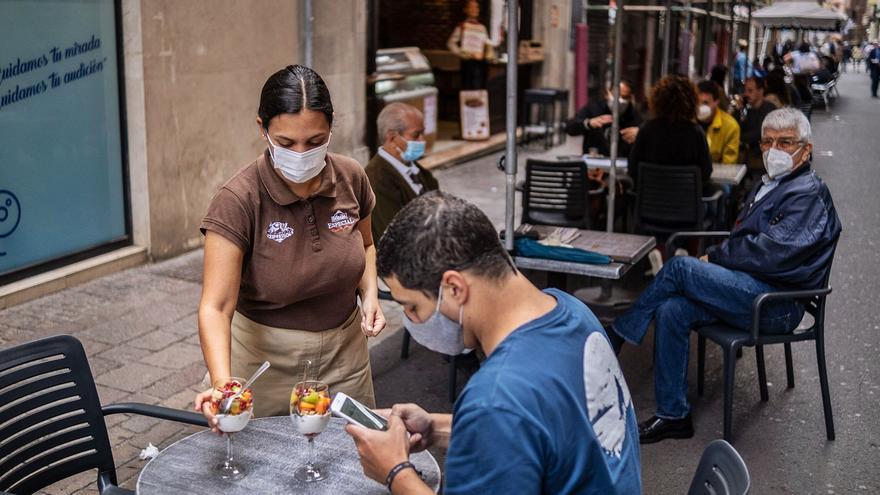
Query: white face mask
x,y
704,113
623,102
299,167
778,162
438,333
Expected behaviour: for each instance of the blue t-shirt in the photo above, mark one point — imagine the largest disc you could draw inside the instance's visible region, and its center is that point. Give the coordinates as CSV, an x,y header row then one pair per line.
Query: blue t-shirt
x,y
548,412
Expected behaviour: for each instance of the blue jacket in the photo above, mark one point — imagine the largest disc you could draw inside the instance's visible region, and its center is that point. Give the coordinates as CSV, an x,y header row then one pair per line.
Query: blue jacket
x,y
786,239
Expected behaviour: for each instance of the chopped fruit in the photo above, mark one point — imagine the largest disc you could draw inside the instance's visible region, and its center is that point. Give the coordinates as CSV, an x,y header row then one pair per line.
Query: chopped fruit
x,y
309,401
239,405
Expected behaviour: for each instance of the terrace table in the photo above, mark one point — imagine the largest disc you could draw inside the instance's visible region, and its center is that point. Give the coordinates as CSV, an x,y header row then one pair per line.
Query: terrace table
x,y
271,450
625,250
722,173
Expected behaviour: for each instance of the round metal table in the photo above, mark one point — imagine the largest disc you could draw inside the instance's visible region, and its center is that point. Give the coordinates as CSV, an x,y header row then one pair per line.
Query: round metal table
x,y
271,450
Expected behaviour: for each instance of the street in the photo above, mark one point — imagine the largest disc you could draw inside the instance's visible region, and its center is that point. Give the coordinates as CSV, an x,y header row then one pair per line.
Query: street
x,y
139,328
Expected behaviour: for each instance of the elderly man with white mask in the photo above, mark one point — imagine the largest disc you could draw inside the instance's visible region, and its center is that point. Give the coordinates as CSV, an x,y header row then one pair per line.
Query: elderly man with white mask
x,y
783,239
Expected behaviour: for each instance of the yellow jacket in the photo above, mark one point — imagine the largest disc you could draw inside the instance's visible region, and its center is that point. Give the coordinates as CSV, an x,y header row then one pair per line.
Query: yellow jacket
x,y
723,138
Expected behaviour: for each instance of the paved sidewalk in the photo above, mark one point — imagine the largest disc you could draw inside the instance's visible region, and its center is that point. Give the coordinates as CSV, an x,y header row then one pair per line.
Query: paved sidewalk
x,y
140,331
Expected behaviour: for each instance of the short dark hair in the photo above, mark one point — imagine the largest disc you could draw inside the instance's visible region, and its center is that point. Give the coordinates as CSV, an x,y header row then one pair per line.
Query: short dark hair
x,y
718,74
776,86
437,232
711,88
292,89
759,82
674,99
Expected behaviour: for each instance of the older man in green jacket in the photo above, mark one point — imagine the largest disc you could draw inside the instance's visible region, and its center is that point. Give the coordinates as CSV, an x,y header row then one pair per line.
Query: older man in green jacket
x,y
394,173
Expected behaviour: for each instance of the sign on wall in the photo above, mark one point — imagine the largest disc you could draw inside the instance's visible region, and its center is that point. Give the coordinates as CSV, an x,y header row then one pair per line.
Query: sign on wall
x,y
61,166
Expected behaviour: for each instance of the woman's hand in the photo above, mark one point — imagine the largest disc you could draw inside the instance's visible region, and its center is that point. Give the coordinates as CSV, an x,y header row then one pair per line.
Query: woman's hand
x,y
202,404
372,317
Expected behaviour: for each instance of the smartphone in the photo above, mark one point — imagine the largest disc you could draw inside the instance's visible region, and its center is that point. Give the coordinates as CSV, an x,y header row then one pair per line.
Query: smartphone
x,y
356,413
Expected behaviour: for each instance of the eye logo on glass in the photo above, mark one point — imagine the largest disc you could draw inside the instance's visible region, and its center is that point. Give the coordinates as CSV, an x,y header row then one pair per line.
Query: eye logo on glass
x,y
340,221
279,231
10,214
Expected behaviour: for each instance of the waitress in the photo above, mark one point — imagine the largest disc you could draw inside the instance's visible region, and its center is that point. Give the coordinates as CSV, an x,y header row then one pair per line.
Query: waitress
x,y
288,249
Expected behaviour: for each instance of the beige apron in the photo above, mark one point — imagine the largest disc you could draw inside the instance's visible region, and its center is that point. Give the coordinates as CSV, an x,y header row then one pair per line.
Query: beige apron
x,y
339,357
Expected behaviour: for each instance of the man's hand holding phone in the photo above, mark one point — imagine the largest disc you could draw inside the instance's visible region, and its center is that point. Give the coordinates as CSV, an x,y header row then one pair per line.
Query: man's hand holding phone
x,y
419,424
380,450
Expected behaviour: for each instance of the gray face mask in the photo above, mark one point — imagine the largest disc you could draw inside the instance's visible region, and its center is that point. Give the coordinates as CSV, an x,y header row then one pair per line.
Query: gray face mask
x,y
438,333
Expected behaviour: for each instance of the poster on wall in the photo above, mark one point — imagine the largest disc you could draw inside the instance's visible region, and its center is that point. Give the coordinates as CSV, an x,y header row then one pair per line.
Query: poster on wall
x,y
61,166
474,108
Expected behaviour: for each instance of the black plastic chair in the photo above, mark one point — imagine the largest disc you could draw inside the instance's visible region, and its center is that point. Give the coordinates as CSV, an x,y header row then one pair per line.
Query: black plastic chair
x,y
721,472
51,420
670,199
557,193
732,339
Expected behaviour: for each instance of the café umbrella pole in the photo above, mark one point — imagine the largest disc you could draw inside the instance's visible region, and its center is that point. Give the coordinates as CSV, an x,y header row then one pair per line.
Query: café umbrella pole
x,y
510,152
615,113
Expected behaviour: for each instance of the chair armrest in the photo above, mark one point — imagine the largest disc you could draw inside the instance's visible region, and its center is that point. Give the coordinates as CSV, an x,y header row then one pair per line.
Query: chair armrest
x,y
160,412
597,192
671,242
781,296
713,198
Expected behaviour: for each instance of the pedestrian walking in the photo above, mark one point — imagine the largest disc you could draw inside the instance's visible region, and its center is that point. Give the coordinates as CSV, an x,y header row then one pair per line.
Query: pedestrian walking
x,y
874,65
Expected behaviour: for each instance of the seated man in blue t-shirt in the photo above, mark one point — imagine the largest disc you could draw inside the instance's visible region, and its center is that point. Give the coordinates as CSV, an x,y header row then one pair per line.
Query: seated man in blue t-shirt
x,y
548,411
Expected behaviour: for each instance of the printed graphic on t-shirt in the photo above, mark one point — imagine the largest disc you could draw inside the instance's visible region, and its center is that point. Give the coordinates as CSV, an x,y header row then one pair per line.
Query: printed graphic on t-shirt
x,y
340,221
607,395
278,231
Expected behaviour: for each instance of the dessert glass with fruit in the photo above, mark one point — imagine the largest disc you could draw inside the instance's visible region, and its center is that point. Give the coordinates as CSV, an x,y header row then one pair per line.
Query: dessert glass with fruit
x,y
234,420
310,413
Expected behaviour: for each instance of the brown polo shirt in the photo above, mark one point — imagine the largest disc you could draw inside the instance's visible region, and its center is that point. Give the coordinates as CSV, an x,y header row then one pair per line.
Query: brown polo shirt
x,y
303,258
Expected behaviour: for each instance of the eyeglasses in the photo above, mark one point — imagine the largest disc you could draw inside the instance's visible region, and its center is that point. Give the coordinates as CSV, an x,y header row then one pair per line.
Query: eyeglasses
x,y
783,143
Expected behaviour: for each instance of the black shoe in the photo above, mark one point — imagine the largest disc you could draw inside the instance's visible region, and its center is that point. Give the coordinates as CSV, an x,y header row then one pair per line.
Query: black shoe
x,y
656,429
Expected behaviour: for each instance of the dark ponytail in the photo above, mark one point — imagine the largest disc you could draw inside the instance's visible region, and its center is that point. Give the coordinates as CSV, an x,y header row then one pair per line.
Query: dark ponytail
x,y
292,89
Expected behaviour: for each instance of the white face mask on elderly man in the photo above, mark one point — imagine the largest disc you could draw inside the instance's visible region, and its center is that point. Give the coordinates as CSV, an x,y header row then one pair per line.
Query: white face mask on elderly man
x,y
778,162
299,167
438,333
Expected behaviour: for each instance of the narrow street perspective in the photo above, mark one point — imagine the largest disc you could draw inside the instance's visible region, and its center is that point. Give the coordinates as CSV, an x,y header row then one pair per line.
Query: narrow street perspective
x,y
446,246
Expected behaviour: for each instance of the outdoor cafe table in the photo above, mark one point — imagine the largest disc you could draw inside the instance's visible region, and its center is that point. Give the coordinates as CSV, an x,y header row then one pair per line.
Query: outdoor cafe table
x,y
270,450
625,250
731,174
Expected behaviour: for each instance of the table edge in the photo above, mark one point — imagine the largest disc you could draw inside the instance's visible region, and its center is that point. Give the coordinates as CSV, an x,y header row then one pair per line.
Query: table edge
x,y
137,485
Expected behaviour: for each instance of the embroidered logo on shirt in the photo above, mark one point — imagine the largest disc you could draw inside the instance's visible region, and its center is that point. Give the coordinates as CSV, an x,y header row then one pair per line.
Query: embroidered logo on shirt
x,y
340,221
278,231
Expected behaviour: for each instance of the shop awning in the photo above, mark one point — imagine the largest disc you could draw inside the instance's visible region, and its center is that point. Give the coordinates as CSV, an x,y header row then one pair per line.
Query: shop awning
x,y
799,15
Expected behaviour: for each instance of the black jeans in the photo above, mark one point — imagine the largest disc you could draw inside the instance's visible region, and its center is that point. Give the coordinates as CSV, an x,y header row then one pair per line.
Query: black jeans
x,y
875,79
473,74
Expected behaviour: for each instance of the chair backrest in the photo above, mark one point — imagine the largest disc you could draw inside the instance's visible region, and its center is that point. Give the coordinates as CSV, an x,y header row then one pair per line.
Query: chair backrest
x,y
51,425
556,193
721,472
816,305
669,198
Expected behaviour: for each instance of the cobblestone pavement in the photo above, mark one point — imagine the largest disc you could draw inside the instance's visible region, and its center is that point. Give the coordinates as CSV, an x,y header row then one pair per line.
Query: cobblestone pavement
x,y
139,329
